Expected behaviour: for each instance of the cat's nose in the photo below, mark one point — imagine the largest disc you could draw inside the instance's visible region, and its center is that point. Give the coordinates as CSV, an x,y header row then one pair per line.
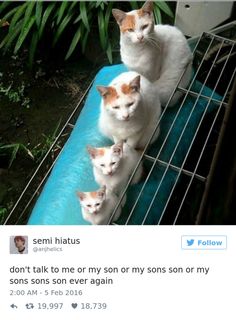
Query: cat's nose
x,y
109,172
140,38
126,117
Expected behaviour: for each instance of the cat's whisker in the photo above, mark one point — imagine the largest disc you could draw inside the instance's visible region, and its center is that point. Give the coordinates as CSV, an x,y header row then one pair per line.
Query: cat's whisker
x,y
153,42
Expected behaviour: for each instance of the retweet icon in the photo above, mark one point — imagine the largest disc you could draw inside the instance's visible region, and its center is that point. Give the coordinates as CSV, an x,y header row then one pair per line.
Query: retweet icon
x,y
190,242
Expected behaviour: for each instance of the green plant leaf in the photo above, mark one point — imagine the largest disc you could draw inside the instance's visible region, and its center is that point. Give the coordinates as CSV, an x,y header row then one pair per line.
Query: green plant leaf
x,y
20,11
101,28
45,18
157,15
15,148
61,28
62,10
84,40
74,43
98,4
9,14
165,8
28,12
32,49
107,16
27,24
4,5
13,155
27,151
78,19
109,52
7,41
84,16
134,5
38,13
73,4
23,34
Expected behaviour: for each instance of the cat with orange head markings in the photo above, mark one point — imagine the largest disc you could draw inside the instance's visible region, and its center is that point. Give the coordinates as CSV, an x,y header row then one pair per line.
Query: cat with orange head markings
x,y
158,52
97,206
130,110
113,166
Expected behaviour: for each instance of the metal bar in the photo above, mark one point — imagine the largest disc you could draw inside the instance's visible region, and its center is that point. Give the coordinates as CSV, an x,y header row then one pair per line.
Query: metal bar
x,y
155,161
214,161
180,108
226,27
48,153
199,159
195,94
164,174
226,40
37,189
175,168
198,129
148,143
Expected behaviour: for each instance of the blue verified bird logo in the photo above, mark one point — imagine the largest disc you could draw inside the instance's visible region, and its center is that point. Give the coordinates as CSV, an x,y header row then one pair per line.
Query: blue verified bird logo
x,y
190,242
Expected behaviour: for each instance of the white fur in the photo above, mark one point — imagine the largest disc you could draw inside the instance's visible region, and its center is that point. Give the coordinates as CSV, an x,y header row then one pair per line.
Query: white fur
x,y
114,169
102,214
143,115
161,56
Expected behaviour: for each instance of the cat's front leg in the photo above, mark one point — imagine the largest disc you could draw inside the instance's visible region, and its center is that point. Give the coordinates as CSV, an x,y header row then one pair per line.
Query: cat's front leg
x,y
134,140
115,139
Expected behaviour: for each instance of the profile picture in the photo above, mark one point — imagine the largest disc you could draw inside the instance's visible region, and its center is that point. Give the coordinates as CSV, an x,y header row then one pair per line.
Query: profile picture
x,y
18,244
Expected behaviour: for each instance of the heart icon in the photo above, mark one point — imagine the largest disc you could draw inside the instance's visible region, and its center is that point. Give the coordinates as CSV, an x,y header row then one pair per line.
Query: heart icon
x,y
74,305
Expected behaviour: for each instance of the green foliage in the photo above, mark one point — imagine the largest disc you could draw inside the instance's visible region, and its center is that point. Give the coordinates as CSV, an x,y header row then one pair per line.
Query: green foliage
x,y
42,148
15,94
14,149
3,214
36,153
30,21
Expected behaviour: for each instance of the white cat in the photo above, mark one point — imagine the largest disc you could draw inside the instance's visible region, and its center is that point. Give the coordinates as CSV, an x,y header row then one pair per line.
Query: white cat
x,y
158,52
97,206
113,166
130,109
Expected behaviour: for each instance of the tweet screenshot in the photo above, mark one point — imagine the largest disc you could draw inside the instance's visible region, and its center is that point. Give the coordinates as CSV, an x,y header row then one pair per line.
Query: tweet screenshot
x,y
109,272
117,160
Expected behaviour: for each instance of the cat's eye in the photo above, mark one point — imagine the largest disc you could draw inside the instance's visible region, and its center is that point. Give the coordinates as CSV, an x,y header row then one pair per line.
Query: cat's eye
x,y
116,107
144,27
89,205
102,165
131,30
97,204
129,104
113,163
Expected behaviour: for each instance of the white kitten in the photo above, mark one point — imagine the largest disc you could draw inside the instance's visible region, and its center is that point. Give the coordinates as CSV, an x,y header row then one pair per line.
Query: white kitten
x,y
97,206
158,52
130,109
113,166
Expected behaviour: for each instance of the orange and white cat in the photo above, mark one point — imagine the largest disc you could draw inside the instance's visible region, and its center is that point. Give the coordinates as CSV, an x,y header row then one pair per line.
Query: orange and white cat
x,y
130,110
97,206
113,166
158,52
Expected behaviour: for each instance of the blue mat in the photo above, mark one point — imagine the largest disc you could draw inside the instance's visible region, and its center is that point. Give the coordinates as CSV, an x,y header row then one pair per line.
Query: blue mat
x,y
58,204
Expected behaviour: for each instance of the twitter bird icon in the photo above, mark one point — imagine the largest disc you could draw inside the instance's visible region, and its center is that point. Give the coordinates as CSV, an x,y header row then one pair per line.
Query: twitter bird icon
x,y
190,242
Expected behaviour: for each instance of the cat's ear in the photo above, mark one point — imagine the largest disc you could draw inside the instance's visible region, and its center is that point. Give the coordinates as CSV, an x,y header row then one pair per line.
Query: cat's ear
x,y
92,151
102,192
119,15
147,8
135,84
104,91
118,148
81,195
107,93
